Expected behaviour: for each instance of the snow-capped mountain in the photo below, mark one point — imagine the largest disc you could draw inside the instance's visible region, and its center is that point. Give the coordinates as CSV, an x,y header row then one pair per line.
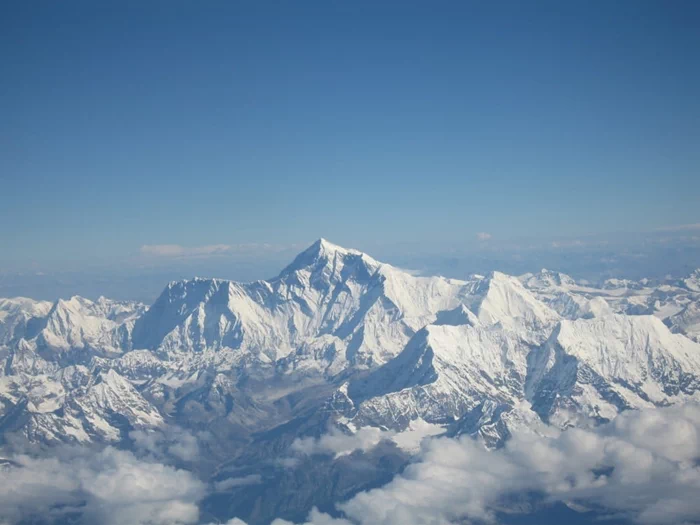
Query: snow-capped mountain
x,y
341,340
341,297
20,317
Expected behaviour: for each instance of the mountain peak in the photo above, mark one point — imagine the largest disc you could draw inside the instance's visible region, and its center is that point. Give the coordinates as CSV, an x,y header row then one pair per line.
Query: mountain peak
x,y
325,247
322,251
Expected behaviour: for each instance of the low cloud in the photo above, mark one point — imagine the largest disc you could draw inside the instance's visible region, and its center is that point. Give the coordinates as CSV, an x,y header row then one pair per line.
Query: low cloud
x,y
338,443
483,236
229,483
112,487
644,467
320,518
168,442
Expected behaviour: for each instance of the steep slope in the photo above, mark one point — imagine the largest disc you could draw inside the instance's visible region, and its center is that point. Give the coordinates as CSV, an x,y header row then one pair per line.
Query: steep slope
x,y
444,371
501,300
687,321
597,367
467,356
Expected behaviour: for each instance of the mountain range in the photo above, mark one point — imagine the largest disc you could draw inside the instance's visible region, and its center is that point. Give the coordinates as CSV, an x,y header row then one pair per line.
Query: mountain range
x,y
340,343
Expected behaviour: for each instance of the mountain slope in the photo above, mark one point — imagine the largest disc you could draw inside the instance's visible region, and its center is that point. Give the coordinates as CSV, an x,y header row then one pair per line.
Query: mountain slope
x,y
598,367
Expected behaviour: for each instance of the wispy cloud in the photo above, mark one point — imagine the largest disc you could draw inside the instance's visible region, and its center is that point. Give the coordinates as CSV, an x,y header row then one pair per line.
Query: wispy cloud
x,y
338,443
483,236
680,228
226,484
573,243
178,251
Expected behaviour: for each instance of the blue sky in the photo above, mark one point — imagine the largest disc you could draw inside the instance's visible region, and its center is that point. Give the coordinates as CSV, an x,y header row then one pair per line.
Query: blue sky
x,y
242,123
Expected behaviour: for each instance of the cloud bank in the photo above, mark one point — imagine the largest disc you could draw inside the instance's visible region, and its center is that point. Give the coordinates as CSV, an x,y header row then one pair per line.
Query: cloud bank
x,y
644,466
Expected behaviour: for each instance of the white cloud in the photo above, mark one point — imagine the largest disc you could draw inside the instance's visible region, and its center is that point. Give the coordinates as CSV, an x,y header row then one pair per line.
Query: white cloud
x,y
112,487
170,441
251,479
573,243
680,227
338,443
317,518
178,251
653,480
483,236
644,466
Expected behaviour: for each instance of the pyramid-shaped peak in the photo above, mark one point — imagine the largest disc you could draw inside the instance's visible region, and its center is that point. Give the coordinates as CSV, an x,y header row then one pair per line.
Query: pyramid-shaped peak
x,y
323,251
324,246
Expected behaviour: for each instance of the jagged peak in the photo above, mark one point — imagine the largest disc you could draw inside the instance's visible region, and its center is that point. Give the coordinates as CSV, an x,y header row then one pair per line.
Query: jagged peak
x,y
501,298
73,304
325,246
483,285
323,251
74,299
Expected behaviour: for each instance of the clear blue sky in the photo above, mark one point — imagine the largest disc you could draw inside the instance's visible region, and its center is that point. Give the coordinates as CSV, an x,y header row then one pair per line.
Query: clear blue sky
x,y
199,123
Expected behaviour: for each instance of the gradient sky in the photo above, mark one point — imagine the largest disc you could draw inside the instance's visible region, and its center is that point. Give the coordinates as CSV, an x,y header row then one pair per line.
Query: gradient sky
x,y
200,123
